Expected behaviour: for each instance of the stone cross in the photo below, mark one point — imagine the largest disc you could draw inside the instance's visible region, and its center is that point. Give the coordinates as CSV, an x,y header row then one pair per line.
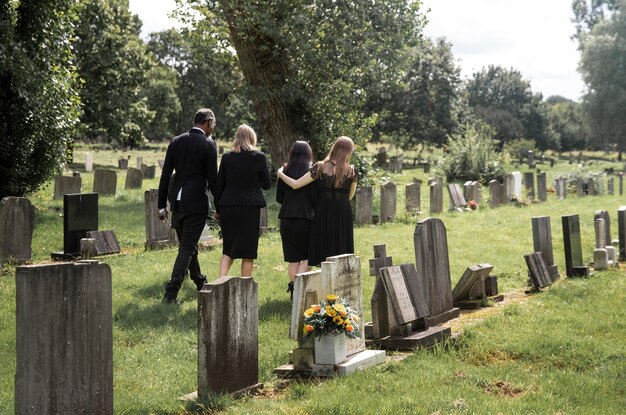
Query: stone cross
x,y
380,260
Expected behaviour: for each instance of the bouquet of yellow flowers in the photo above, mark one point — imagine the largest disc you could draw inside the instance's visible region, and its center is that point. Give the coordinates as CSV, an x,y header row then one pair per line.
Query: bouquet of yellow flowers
x,y
333,316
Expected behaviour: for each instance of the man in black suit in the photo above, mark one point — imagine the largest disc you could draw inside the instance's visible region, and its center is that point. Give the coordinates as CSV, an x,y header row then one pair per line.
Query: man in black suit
x,y
193,156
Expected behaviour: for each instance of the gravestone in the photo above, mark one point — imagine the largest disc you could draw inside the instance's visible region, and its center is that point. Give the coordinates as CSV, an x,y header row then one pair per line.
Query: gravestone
x,y
395,163
621,184
604,214
580,188
472,190
573,248
387,202
228,340
471,290
404,310
495,192
380,159
382,316
457,201
542,190
263,220
64,185
561,188
139,162
537,270
433,270
600,254
529,184
591,187
104,182
517,184
88,161
363,205
412,197
105,241
531,159
426,167
509,187
88,248
134,178
122,164
600,186
148,171
64,339
158,234
621,232
436,196
611,186
17,221
339,275
80,215
542,242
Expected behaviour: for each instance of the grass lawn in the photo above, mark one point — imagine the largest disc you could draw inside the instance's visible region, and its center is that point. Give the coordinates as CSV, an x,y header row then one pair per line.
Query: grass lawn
x,y
559,351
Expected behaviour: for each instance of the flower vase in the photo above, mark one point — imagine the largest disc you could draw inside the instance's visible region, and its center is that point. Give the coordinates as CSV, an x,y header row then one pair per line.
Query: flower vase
x,y
330,349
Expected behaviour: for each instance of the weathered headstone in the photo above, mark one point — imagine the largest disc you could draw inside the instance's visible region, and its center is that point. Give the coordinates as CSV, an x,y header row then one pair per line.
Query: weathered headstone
x,y
472,190
80,215
381,157
580,188
537,270
436,196
561,188
106,242
611,186
382,317
509,187
88,248
64,339
228,339
388,194
529,184
433,270
495,192
573,248
621,232
412,197
542,190
517,184
404,309
139,162
591,187
88,161
621,184
471,289
604,214
542,242
104,182
64,185
134,178
148,171
363,205
158,234
600,254
122,164
161,163
531,159
17,221
396,163
457,201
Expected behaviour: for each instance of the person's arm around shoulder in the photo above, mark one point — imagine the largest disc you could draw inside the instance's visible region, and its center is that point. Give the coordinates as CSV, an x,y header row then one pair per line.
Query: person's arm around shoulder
x,y
306,178
353,183
264,173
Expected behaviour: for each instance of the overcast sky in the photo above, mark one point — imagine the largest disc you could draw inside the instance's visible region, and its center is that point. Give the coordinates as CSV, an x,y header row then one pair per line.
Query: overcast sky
x,y
532,36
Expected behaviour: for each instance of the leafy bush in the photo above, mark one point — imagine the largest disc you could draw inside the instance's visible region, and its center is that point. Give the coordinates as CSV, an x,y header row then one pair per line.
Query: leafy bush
x,y
472,155
519,148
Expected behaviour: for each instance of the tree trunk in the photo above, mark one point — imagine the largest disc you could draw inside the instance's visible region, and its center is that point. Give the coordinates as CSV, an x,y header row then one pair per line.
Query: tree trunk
x,y
265,66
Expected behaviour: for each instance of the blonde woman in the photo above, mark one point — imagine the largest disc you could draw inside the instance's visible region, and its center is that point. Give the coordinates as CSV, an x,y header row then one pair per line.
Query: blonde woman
x,y
335,181
242,174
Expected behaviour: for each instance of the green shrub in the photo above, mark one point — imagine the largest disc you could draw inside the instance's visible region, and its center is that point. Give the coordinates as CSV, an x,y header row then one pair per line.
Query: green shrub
x,y
519,148
472,155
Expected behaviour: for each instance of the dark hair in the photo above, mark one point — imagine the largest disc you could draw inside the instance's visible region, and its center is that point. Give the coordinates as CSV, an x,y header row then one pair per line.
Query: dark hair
x,y
203,115
299,160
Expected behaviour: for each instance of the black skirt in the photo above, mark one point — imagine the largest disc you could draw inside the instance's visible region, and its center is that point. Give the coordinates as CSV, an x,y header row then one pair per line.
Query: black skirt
x,y
240,231
294,233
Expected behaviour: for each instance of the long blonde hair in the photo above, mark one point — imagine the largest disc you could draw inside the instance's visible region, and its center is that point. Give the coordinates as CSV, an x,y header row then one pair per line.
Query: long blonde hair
x,y
339,156
245,139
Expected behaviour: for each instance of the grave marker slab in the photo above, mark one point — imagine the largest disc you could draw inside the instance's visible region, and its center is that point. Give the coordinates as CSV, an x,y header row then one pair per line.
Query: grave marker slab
x,y
542,242
80,215
106,242
398,294
471,286
64,185
611,186
148,171
572,246
436,197
542,190
457,201
537,270
621,232
158,234
134,178
88,161
387,202
529,184
364,203
494,193
139,162
517,184
64,339
122,164
412,197
472,190
604,214
104,182
17,221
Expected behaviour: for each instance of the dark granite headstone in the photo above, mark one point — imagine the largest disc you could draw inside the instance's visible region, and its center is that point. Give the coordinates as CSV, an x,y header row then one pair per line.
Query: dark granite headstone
x,y
621,232
529,184
80,214
537,270
542,242
542,190
572,246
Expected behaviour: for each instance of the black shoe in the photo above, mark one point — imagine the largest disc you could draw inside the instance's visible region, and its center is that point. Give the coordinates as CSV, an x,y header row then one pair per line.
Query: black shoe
x,y
167,299
290,289
200,284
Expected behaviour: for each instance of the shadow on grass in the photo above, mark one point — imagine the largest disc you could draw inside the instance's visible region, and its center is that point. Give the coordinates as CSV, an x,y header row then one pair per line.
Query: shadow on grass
x,y
156,315
274,309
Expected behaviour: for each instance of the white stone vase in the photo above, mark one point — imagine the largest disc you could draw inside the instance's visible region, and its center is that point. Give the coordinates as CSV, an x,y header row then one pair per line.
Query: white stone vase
x,y
330,349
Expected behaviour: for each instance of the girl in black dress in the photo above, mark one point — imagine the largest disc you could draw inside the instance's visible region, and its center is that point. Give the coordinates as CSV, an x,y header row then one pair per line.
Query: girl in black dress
x,y
331,232
296,212
242,174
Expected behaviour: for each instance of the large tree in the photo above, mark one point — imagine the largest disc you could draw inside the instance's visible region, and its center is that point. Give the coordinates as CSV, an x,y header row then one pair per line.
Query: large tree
x,y
601,27
38,97
567,123
308,63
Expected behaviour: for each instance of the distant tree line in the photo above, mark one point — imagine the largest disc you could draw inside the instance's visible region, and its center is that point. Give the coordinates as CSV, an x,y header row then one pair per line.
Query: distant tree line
x,y
294,69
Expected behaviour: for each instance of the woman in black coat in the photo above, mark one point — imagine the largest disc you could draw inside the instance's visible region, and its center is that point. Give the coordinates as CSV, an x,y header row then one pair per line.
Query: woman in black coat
x,y
242,174
296,212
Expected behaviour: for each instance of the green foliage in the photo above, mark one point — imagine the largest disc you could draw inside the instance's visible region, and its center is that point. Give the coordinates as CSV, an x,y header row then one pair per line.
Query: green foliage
x,y
160,94
567,123
112,63
472,155
38,98
519,148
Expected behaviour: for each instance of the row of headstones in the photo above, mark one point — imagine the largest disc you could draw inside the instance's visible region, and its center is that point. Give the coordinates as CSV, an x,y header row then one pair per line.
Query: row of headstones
x,y
590,187
395,164
104,181
64,338
541,265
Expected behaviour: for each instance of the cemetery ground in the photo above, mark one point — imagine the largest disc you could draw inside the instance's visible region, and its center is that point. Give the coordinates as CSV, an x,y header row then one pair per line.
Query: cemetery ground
x,y
562,350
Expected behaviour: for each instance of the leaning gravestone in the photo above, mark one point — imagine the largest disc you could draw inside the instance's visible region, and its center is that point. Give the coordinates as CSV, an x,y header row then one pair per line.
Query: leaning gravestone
x,y
364,203
64,339
228,340
104,182
433,270
64,185
412,197
436,196
542,190
134,178
537,270
158,234
105,242
542,242
80,215
457,201
387,202
573,248
621,232
17,221
471,290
